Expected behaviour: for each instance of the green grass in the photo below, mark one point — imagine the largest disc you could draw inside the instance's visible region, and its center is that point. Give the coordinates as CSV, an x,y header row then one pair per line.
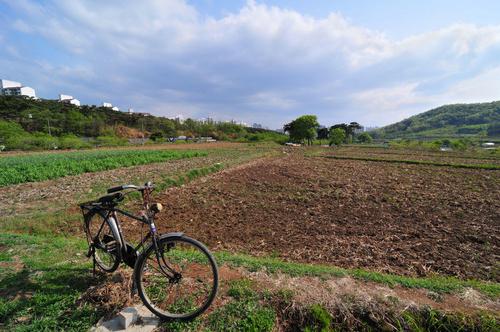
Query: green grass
x,y
177,181
247,310
419,162
441,284
321,319
41,293
40,167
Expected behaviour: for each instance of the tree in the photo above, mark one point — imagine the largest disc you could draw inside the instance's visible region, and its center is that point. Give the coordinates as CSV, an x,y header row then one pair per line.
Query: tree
x,y
302,128
364,138
156,136
323,133
349,129
337,136
494,129
352,127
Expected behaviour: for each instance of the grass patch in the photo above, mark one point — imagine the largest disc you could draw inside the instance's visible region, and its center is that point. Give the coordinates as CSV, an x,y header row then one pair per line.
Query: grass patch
x,y
242,315
40,167
420,162
168,181
41,293
321,319
428,319
440,284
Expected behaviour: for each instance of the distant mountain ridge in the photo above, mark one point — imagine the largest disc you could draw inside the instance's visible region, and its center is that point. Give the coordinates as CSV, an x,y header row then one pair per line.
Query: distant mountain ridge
x,y
456,120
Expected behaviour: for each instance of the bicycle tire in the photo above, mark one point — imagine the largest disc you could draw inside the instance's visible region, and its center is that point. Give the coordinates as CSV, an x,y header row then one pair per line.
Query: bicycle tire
x,y
99,254
138,278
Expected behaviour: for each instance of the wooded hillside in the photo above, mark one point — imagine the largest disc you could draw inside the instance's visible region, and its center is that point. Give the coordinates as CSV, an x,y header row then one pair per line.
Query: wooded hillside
x,y
457,120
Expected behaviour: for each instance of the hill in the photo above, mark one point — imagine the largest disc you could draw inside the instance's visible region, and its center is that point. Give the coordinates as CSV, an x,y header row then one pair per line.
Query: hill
x,y
27,123
479,120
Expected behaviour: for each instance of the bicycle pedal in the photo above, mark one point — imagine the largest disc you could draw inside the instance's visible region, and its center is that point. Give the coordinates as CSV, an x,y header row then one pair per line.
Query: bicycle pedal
x,y
111,246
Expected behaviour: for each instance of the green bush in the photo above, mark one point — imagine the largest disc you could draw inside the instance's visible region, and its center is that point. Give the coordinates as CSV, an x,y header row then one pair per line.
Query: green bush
x,y
36,141
72,142
10,129
364,138
110,141
267,136
321,319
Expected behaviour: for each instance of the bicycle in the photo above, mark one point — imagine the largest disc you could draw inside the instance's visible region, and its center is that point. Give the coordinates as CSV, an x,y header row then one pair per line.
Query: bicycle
x,y
176,276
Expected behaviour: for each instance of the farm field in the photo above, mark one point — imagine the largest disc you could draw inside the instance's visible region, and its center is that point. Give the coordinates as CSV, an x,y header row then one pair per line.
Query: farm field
x,y
302,240
39,167
414,220
52,206
480,160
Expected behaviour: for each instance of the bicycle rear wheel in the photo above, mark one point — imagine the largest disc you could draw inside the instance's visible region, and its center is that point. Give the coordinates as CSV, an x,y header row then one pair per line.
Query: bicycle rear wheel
x,y
106,247
190,285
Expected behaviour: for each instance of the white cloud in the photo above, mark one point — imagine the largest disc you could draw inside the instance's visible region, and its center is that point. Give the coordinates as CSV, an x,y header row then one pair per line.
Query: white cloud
x,y
481,88
22,26
260,62
271,100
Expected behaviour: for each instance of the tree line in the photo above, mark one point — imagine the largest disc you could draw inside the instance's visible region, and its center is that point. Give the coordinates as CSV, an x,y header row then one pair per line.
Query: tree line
x,y
27,122
306,128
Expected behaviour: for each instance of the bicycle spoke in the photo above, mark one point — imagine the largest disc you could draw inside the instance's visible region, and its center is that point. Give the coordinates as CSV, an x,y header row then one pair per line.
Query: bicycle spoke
x,y
190,287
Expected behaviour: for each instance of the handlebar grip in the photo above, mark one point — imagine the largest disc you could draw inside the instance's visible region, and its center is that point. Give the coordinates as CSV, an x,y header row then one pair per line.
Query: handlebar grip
x,y
115,189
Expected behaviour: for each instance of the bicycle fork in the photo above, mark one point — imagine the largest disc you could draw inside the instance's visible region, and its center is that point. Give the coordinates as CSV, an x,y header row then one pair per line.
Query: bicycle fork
x,y
171,274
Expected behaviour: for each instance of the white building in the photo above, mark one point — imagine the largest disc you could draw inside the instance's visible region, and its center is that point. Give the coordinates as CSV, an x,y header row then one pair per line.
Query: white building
x,y
104,104
130,111
114,108
69,99
11,88
65,97
75,102
179,118
4,84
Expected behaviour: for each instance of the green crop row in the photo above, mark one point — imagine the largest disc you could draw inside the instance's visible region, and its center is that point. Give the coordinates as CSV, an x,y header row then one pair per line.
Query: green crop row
x,y
40,167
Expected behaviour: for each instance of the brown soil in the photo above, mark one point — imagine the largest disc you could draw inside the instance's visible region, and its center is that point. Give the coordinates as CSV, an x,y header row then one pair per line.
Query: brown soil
x,y
440,157
406,219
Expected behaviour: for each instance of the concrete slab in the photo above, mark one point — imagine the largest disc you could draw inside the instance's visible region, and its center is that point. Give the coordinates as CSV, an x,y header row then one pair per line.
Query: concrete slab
x,y
131,319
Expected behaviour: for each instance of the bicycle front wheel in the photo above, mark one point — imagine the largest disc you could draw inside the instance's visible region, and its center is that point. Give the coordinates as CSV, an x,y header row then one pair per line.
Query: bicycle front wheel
x,y
181,282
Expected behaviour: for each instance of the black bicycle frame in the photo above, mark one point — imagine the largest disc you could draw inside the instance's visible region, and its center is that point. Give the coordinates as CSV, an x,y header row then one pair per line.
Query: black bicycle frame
x,y
111,212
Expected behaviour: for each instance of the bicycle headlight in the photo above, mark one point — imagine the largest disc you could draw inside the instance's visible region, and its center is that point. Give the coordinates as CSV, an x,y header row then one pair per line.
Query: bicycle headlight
x,y
156,207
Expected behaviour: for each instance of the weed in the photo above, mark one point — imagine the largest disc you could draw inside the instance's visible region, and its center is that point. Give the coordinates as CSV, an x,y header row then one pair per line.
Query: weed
x,y
242,315
321,319
241,289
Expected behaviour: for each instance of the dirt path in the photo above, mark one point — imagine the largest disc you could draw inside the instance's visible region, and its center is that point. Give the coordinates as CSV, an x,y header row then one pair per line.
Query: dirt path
x,y
405,219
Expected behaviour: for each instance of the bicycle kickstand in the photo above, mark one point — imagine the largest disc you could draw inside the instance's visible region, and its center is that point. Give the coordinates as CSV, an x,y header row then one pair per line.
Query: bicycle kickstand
x,y
91,252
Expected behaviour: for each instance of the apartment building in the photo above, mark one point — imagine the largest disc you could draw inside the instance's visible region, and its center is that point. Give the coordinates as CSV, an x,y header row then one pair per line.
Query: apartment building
x,y
12,88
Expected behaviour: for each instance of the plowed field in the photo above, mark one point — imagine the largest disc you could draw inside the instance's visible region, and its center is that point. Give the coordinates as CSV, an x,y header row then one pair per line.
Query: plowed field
x,y
398,218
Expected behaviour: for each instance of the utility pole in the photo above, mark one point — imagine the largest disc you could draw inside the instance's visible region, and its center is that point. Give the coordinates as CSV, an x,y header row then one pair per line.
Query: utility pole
x,y
48,124
142,128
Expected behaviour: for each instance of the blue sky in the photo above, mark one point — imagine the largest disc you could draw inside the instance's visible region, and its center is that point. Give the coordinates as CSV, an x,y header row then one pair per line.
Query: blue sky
x,y
375,62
